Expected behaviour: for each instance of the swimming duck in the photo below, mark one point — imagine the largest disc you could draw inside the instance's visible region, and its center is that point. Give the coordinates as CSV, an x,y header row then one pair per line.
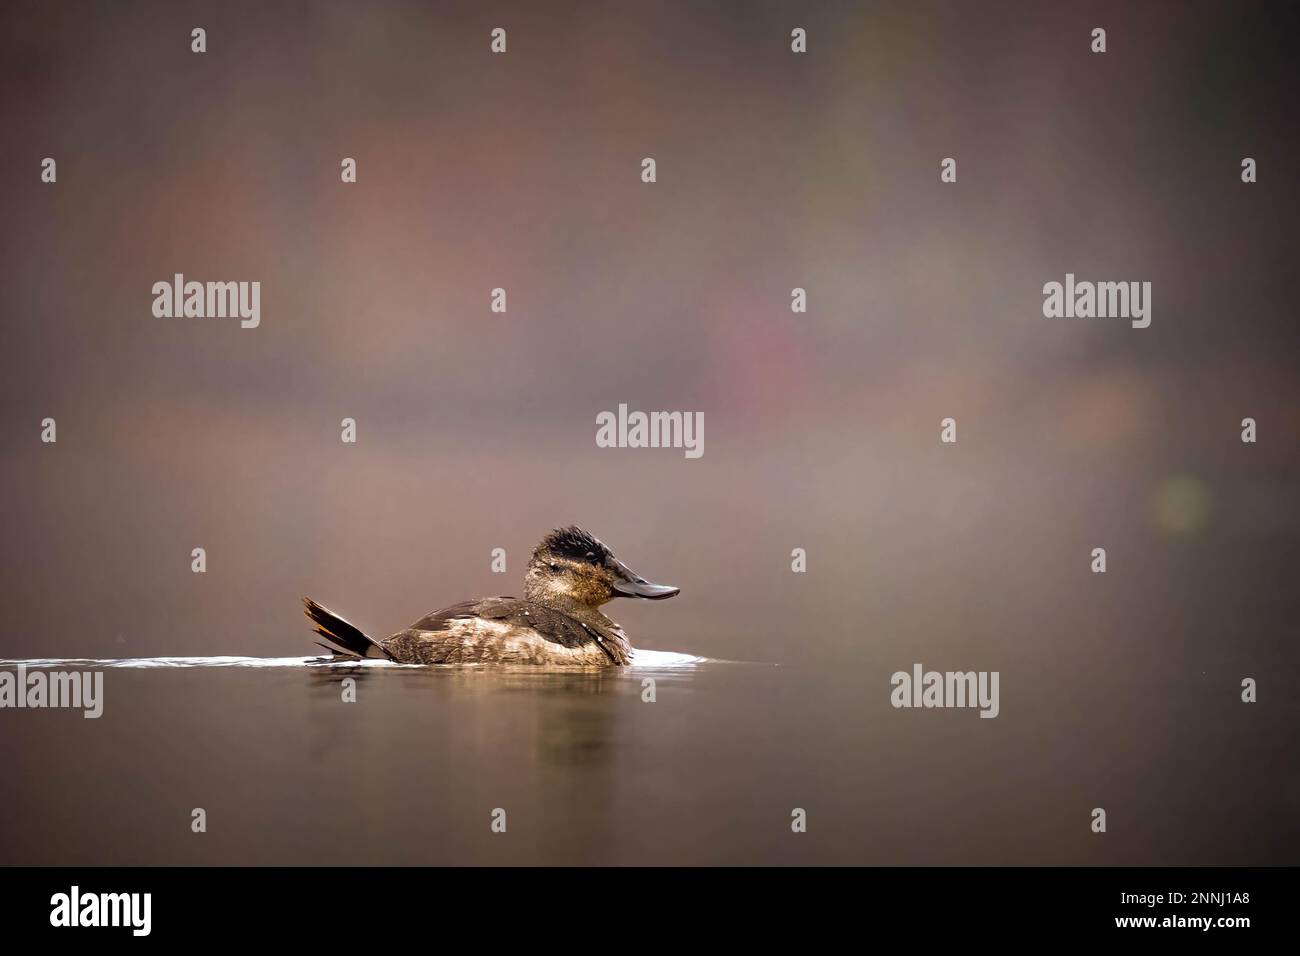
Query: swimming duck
x,y
558,621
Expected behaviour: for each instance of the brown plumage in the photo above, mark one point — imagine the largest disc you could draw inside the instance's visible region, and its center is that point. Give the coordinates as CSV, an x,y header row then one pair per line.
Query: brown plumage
x,y
558,621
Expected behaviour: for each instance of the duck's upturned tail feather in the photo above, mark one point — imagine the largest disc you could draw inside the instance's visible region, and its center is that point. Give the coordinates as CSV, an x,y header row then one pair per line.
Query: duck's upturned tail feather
x,y
344,638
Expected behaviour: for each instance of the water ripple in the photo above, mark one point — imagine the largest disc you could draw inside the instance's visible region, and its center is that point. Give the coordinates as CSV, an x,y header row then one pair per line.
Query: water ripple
x,y
640,658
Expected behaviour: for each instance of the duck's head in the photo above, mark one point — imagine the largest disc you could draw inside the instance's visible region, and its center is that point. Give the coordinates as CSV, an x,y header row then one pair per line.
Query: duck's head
x,y
571,566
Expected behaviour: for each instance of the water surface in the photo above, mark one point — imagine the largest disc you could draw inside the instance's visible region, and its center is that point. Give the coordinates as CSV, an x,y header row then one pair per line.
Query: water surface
x,y
589,771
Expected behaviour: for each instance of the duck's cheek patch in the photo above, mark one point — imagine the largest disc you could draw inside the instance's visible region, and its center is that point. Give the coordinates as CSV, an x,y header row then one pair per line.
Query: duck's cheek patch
x,y
560,586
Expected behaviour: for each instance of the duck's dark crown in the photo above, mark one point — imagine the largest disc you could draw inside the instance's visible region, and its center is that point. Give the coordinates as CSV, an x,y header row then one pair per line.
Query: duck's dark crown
x,y
574,543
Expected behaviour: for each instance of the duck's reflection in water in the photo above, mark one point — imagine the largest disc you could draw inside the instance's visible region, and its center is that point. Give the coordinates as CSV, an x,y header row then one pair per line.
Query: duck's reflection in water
x,y
560,716
440,747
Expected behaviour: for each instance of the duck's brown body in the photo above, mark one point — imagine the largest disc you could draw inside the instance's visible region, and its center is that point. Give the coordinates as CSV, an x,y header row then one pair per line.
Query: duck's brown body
x,y
570,576
506,630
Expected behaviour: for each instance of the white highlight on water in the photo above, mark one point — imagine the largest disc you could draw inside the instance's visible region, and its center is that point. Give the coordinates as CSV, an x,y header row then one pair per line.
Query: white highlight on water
x,y
640,658
664,659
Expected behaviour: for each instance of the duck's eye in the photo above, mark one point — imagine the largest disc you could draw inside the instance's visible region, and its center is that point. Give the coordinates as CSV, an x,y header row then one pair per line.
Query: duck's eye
x,y
555,567
591,554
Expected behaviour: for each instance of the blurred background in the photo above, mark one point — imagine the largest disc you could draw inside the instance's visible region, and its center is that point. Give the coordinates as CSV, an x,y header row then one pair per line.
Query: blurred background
x,y
775,170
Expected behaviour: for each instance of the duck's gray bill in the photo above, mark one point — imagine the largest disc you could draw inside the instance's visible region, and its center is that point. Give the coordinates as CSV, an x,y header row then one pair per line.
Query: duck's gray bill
x,y
644,589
